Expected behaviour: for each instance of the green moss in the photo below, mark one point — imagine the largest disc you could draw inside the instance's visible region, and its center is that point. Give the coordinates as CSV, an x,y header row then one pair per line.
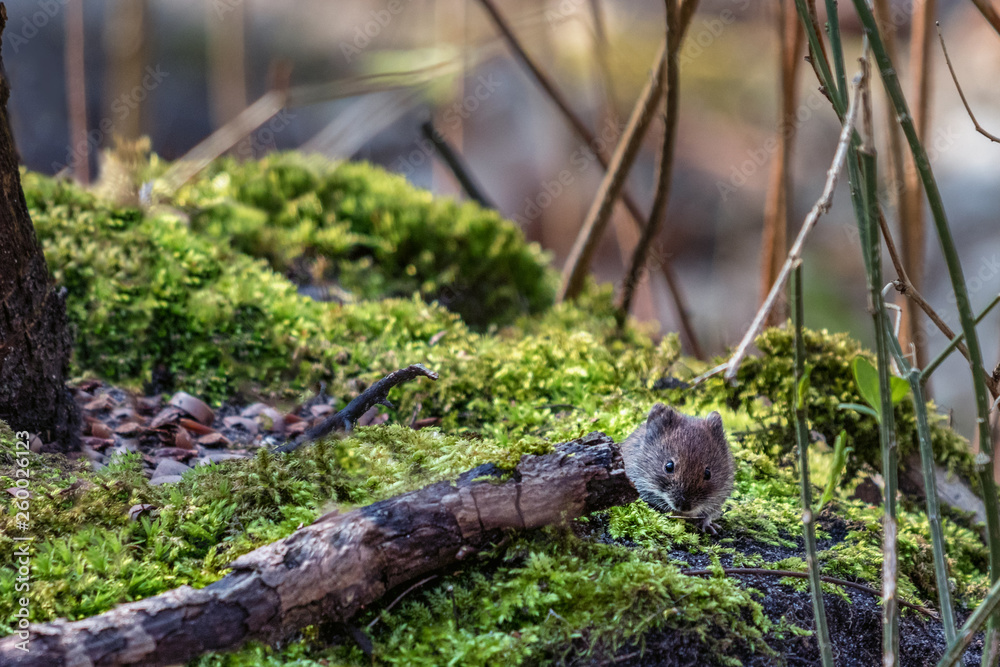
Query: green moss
x,y
548,598
373,233
93,557
196,293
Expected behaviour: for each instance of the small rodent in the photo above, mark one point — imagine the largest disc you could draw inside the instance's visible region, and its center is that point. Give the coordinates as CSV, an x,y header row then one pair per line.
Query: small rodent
x,y
681,464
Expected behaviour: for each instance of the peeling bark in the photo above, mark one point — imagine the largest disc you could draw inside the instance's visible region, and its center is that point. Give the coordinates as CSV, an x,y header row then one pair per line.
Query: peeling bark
x,y
337,566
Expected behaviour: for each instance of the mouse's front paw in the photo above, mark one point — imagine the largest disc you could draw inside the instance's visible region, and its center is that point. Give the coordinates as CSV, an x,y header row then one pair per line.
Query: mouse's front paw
x,y
708,526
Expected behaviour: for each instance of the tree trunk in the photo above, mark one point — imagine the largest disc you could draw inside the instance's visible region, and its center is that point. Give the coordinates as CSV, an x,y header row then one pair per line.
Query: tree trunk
x,y
334,568
35,343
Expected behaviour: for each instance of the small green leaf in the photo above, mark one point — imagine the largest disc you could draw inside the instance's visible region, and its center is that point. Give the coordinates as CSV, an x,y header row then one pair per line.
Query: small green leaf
x,y
803,387
866,378
900,388
840,452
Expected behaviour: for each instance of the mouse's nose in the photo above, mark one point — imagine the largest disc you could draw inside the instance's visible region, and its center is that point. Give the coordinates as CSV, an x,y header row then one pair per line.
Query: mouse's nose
x,y
683,504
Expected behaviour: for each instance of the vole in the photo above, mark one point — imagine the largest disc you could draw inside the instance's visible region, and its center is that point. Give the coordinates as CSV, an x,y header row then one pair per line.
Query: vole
x,y
681,464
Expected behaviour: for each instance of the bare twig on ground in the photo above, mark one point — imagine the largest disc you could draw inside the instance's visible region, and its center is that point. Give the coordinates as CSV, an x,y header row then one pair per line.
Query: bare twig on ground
x,y
374,395
339,564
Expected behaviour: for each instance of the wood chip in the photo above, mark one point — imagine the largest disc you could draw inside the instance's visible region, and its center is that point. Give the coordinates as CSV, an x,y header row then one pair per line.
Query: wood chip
x,y
296,428
129,429
167,415
214,440
195,407
182,439
137,511
196,427
253,410
148,405
96,443
102,402
248,425
175,453
100,430
321,410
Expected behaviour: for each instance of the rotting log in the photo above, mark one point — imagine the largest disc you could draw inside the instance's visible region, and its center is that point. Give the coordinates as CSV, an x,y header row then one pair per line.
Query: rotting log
x,y
335,567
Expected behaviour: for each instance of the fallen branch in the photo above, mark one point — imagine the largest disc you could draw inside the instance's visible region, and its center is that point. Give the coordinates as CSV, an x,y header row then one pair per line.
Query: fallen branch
x,y
377,394
340,564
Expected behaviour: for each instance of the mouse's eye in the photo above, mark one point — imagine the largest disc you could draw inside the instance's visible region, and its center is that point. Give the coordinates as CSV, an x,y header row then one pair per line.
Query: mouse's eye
x,y
708,474
669,467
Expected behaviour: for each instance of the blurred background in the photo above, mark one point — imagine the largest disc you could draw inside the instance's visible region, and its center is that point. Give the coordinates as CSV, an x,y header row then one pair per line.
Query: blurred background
x,y
359,78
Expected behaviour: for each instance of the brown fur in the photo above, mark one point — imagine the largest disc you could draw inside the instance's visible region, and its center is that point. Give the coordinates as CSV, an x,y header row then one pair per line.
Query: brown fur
x,y
693,445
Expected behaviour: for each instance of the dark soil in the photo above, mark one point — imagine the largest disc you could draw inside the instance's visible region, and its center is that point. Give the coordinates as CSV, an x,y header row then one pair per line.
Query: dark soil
x,y
855,627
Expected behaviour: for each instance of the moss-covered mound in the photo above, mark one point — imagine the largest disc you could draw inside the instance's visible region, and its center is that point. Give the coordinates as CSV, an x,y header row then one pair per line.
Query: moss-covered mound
x,y
165,295
373,233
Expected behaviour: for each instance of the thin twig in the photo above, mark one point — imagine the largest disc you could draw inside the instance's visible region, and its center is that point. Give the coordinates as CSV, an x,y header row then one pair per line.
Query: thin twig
x,y
954,77
989,13
795,253
890,80
674,37
802,441
927,464
955,342
377,394
398,598
603,63
580,128
912,235
971,627
454,161
805,575
578,263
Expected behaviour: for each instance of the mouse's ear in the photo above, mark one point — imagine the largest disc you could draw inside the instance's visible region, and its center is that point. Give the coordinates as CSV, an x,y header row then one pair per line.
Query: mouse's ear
x,y
661,420
715,425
